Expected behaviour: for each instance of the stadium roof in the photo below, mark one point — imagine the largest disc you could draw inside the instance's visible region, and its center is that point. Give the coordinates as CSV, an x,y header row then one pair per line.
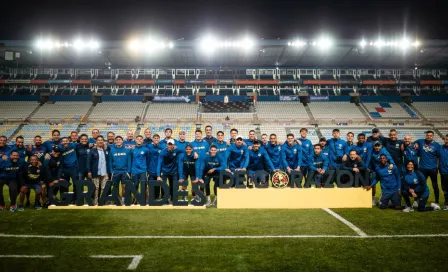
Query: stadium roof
x,y
263,53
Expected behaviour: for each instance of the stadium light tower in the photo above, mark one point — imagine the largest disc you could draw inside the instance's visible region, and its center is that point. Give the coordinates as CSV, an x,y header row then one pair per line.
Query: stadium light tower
x,y
324,43
208,44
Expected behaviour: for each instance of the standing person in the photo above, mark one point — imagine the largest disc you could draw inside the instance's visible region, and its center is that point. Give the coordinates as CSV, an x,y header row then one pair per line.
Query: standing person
x,y
393,146
200,146
55,140
181,143
376,136
324,147
390,183
264,139
237,156
410,153
98,167
38,149
350,141
233,135
415,186
210,167
4,148
274,150
318,164
69,162
82,152
250,141
208,135
429,152
120,164
148,139
52,164
220,144
74,137
167,165
140,162
9,171
95,134
364,148
20,148
291,155
338,150
110,139
32,176
168,136
307,151
154,151
188,167
129,142
258,160
444,171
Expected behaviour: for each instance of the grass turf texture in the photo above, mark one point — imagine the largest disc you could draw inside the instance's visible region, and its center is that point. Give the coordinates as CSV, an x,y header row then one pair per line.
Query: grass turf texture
x,y
266,254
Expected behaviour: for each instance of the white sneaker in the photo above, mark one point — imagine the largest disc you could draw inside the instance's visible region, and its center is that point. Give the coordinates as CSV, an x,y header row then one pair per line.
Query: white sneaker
x,y
415,205
408,209
373,202
435,206
209,203
215,202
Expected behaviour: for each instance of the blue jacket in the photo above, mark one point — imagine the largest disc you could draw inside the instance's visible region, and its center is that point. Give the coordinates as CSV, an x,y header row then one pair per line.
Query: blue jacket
x,y
365,151
350,164
91,141
93,160
140,159
428,152
350,147
23,153
52,166
394,149
236,157
9,169
249,142
375,158
82,151
154,152
326,152
410,154
69,159
129,144
275,153
181,145
120,159
210,140
307,150
258,160
443,160
5,150
389,179
50,144
168,162
188,166
338,148
320,161
200,147
417,181
147,141
222,147
292,155
208,162
39,152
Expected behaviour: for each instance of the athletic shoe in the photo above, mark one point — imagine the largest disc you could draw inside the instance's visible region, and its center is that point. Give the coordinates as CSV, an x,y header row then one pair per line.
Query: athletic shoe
x,y
445,208
209,203
415,205
20,208
373,202
13,209
27,204
435,206
215,202
408,209
37,207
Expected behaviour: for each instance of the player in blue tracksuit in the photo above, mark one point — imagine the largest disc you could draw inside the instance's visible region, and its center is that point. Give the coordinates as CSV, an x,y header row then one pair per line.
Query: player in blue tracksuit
x,y
350,142
220,144
55,140
52,163
129,142
168,136
258,159
274,150
154,151
318,164
4,148
210,167
120,164
390,183
92,140
147,140
394,147
208,135
375,137
250,141
9,171
354,164
140,162
338,150
429,152
307,151
181,144
415,186
20,148
167,165
374,161
410,153
189,167
291,154
200,146
237,155
443,167
324,147
364,148
69,162
82,151
38,149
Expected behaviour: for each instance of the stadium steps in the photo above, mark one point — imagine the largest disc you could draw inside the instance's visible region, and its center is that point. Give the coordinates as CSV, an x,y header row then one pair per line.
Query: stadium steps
x,y
439,133
318,132
14,134
414,109
138,130
87,115
310,114
33,112
145,112
364,111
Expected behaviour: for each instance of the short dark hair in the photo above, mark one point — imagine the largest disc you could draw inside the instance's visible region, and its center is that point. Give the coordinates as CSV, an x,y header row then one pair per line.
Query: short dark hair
x,y
208,126
251,131
111,132
19,137
54,131
156,136
264,134
198,130
100,136
168,129
234,129
74,131
336,130
351,133
139,136
37,136
289,134
361,134
392,130
213,146
317,145
303,129
430,131
64,138
3,136
14,151
83,135
272,134
353,150
119,137
96,130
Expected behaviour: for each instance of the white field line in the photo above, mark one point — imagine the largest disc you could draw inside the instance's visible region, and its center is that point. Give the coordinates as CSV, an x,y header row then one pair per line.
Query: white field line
x,y
26,256
225,236
132,266
348,223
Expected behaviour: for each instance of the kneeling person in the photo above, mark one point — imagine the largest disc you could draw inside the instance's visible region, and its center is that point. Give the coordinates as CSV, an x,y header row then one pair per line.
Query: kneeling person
x,y
32,177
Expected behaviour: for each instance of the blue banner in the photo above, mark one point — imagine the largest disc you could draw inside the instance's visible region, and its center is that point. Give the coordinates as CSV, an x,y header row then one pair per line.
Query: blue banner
x,y
319,98
289,98
60,81
171,99
189,81
164,81
294,82
444,82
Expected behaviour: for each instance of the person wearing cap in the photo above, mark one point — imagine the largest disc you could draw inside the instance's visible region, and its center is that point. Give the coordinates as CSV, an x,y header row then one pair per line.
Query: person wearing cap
x,y
390,181
324,147
274,150
10,166
154,151
258,159
376,136
69,162
250,141
120,161
429,153
307,151
318,163
182,143
237,156
338,150
208,135
52,163
220,144
167,165
200,146
148,139
140,162
291,154
129,142
98,167
378,151
210,167
188,167
364,149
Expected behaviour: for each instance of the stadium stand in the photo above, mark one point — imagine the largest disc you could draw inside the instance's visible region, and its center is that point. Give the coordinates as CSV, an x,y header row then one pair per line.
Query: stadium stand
x,y
7,130
29,131
335,110
386,110
67,111
272,111
171,111
231,116
312,134
16,110
118,129
123,111
327,131
432,110
415,132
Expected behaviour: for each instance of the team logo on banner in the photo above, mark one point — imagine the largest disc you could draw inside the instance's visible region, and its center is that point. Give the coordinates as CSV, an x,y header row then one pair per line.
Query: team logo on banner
x,y
280,179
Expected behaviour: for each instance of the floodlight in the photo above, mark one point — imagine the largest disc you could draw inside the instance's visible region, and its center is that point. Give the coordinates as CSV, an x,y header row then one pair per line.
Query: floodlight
x,y
363,43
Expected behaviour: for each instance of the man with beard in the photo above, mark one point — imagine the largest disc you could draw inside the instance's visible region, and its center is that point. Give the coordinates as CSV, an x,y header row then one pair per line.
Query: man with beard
x,y
82,152
32,176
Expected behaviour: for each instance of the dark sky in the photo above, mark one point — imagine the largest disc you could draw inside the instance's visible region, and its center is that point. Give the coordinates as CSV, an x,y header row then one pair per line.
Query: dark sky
x,y
190,19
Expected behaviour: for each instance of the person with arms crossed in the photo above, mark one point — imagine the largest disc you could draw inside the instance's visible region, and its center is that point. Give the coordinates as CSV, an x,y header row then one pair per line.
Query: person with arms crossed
x,y
82,151
98,167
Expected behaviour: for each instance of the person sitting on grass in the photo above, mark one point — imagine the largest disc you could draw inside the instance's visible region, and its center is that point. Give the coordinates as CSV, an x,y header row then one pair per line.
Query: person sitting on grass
x,y
415,186
390,183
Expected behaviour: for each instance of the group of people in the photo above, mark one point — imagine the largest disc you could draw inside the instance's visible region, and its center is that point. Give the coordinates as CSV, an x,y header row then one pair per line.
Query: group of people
x,y
402,167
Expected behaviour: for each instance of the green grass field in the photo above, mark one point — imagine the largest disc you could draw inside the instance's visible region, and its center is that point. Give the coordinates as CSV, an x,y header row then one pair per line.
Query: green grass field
x,y
223,240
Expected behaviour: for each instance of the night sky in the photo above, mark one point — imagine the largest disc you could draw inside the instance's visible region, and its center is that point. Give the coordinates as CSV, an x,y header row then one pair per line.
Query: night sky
x,y
119,20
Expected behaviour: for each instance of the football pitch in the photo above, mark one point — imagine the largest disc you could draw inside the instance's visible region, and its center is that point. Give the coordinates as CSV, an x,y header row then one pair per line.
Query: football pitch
x,y
223,240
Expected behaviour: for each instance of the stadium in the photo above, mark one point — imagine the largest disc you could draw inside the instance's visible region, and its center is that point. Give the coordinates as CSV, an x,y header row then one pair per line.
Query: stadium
x,y
148,85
